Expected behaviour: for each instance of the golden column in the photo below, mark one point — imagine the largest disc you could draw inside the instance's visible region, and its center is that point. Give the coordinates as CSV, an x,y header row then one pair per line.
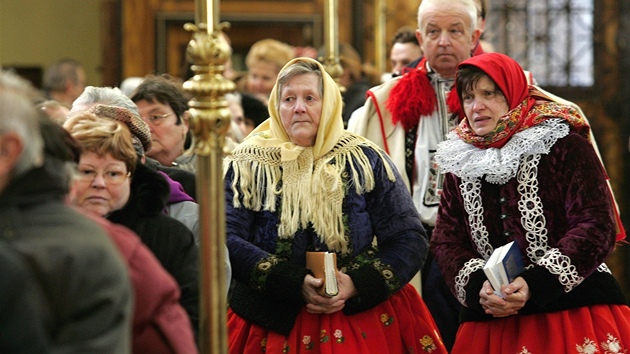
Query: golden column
x,y
210,119
380,55
331,37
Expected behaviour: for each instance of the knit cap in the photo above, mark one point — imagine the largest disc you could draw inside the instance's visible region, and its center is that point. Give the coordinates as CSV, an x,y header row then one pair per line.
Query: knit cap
x,y
140,133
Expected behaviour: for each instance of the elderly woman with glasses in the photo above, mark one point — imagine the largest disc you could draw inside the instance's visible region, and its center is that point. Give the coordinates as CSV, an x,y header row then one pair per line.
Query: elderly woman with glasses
x,y
114,184
163,105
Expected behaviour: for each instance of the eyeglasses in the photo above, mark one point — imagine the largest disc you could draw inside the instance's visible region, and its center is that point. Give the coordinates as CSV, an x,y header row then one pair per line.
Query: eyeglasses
x,y
156,119
111,177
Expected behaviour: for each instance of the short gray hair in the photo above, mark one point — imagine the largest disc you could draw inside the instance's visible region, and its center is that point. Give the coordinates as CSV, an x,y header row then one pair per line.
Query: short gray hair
x,y
296,69
58,74
111,96
469,5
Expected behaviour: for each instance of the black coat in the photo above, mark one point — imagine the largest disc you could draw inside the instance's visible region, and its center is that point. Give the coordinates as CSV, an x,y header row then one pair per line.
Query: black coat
x,y
87,305
171,242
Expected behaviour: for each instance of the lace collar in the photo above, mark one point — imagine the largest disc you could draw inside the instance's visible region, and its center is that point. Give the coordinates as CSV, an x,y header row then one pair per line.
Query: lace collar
x,y
498,165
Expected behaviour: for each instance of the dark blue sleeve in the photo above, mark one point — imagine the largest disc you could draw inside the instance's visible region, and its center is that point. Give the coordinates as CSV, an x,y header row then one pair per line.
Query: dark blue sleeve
x,y
401,240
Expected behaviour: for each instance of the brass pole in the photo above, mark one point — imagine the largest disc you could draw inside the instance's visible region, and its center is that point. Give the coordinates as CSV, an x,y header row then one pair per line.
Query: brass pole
x,y
379,34
331,62
210,120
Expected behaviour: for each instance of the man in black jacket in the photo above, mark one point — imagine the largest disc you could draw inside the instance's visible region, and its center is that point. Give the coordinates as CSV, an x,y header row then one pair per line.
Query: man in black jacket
x,y
88,297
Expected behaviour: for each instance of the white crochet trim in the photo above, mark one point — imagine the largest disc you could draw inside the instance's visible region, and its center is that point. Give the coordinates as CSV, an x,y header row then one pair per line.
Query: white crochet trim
x,y
560,265
463,276
532,218
604,268
498,165
535,224
470,189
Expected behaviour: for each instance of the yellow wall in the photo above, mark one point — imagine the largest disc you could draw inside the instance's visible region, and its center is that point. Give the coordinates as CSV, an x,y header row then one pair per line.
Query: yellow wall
x,y
39,32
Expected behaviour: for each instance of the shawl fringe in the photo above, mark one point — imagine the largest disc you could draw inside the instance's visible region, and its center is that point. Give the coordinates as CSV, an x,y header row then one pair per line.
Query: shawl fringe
x,y
311,191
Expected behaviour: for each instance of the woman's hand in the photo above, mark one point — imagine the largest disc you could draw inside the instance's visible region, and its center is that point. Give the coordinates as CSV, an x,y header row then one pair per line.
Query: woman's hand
x,y
515,295
316,303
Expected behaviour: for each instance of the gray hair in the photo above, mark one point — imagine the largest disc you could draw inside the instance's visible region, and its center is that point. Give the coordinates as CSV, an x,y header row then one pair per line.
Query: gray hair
x,y
111,96
296,69
18,115
469,6
58,74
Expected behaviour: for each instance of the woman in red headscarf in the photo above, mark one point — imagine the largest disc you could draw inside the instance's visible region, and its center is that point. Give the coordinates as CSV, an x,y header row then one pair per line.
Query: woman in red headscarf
x,y
520,168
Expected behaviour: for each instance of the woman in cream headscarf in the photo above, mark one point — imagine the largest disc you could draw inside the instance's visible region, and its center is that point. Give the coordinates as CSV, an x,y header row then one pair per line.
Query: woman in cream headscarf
x,y
301,183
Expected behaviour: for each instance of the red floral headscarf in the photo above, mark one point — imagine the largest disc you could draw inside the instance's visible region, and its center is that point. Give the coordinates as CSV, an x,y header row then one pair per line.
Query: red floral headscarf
x,y
528,106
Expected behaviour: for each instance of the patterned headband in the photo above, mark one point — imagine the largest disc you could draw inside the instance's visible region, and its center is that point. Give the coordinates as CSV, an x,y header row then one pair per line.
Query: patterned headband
x,y
141,135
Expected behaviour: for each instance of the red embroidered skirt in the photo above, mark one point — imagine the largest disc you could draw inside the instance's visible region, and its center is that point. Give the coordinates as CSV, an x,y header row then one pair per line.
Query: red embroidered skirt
x,y
602,329
401,324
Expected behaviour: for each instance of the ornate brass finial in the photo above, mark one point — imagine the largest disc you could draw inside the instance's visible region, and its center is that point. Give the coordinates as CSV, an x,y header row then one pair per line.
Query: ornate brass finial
x,y
208,51
210,116
333,67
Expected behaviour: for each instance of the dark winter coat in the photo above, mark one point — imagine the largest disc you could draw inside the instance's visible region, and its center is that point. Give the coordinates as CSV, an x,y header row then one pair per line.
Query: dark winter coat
x,y
171,242
85,281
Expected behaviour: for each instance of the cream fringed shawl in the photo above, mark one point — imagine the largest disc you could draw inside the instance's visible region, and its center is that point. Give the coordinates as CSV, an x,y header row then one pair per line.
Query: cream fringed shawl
x,y
310,190
309,180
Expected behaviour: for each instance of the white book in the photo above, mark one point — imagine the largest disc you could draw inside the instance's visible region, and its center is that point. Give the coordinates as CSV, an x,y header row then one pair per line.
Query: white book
x,y
492,272
330,268
505,264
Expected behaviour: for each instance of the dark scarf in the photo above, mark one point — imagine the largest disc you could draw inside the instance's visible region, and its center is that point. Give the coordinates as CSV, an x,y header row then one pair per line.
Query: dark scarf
x,y
148,196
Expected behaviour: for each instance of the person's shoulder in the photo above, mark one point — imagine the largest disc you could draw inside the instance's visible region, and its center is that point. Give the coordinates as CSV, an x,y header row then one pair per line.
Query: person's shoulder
x,y
572,146
63,221
185,177
183,207
149,191
386,86
574,140
124,238
373,107
374,154
165,226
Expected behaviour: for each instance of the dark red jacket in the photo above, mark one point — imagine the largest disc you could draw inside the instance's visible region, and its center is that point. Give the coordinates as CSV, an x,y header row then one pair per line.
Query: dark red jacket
x,y
160,323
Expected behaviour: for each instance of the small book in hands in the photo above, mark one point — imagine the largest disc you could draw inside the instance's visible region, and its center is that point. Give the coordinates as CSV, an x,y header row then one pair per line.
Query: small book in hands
x,y
503,266
324,266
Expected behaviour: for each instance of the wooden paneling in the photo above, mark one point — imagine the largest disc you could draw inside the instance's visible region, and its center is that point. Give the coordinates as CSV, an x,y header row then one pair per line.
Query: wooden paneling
x,y
110,43
139,46
298,23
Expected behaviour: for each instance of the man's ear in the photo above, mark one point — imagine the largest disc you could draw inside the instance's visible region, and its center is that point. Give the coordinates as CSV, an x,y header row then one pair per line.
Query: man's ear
x,y
475,38
11,147
69,86
419,38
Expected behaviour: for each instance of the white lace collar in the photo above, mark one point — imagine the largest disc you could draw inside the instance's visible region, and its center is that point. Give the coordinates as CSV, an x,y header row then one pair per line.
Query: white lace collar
x,y
498,165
